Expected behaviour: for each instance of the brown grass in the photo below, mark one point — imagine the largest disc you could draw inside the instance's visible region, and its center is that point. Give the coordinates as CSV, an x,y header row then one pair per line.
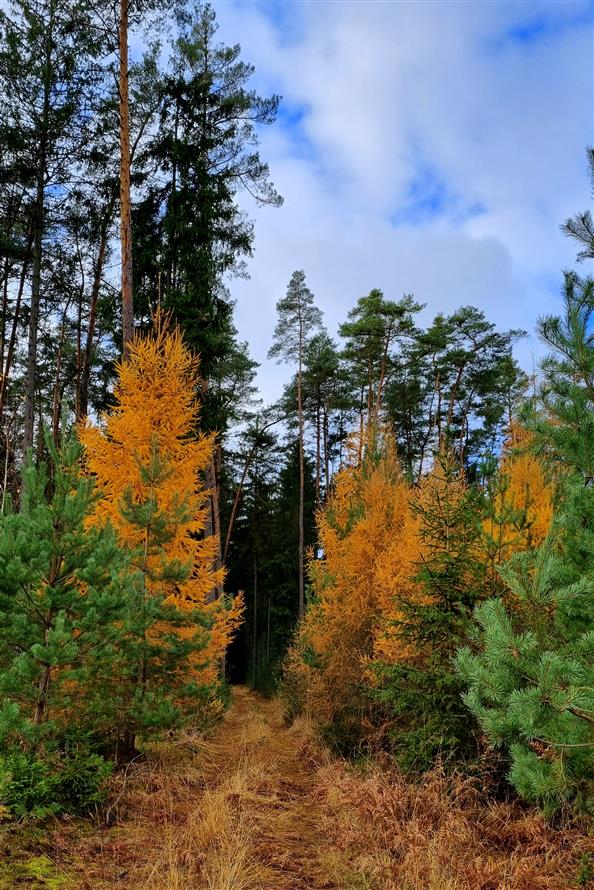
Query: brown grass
x,y
441,835
261,806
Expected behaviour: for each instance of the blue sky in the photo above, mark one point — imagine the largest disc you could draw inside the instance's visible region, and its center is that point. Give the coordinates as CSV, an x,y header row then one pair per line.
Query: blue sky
x,y
422,147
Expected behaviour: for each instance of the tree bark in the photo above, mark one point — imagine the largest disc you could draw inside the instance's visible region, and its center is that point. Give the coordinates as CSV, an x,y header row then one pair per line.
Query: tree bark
x,y
216,513
42,695
326,455
4,312
255,639
57,398
318,451
125,209
85,376
13,334
268,631
38,224
301,484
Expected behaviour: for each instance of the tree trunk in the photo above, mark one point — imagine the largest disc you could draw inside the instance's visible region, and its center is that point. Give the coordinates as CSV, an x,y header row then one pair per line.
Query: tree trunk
x,y
125,210
38,224
255,640
318,452
268,631
4,312
83,401
236,500
301,486
216,511
42,695
213,525
57,399
13,334
326,454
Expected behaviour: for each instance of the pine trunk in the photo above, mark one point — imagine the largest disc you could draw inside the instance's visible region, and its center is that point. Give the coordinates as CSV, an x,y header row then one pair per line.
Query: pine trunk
x,y
255,639
301,488
38,224
318,451
13,334
125,210
83,400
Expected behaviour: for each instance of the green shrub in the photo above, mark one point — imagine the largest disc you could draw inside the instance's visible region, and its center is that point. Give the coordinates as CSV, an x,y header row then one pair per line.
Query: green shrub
x,y
37,787
27,786
81,783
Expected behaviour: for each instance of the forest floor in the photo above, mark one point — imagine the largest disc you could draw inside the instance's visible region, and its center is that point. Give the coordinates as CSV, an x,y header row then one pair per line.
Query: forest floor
x,y
259,805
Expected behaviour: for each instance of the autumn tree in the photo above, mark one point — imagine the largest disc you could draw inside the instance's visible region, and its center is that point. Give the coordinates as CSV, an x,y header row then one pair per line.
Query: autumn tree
x,y
147,465
519,504
430,618
367,542
299,319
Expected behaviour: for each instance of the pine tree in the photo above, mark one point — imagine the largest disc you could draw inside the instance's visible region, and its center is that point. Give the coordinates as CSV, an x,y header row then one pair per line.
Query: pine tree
x,y
298,320
430,619
531,678
205,151
455,386
531,686
48,70
62,586
374,328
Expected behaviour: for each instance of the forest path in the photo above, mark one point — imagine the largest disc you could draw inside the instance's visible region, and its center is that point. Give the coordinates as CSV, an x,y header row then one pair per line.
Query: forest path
x,y
235,811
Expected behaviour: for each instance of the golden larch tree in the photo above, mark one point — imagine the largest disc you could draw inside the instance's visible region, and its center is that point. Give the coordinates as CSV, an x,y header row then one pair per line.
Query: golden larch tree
x,y
366,533
147,455
520,507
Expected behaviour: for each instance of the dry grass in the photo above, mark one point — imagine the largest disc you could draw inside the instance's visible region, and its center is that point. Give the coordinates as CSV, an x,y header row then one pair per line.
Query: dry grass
x,y
261,806
441,835
227,813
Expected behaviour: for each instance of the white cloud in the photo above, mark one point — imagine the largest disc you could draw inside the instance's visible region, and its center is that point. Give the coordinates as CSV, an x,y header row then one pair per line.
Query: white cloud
x,y
454,92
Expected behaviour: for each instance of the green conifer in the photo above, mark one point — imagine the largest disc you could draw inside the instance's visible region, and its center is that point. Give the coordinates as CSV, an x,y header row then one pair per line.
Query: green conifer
x,y
531,682
423,692
61,589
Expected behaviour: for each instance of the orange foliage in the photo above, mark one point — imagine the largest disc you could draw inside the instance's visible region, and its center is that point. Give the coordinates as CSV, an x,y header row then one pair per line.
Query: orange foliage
x,y
367,533
437,530
377,532
521,505
154,421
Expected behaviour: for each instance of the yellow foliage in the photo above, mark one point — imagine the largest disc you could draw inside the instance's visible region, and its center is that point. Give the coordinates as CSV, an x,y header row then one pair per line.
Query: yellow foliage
x,y
154,419
377,532
522,503
368,536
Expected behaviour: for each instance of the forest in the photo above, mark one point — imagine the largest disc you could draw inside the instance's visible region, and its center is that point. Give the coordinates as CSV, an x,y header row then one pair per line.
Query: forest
x,y
340,640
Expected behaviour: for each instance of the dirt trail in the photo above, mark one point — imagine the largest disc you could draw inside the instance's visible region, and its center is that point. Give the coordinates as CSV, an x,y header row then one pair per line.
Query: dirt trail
x,y
257,805
237,811
279,810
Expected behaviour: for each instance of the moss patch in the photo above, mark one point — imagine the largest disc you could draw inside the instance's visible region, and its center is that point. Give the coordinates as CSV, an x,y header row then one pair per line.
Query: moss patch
x,y
36,873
